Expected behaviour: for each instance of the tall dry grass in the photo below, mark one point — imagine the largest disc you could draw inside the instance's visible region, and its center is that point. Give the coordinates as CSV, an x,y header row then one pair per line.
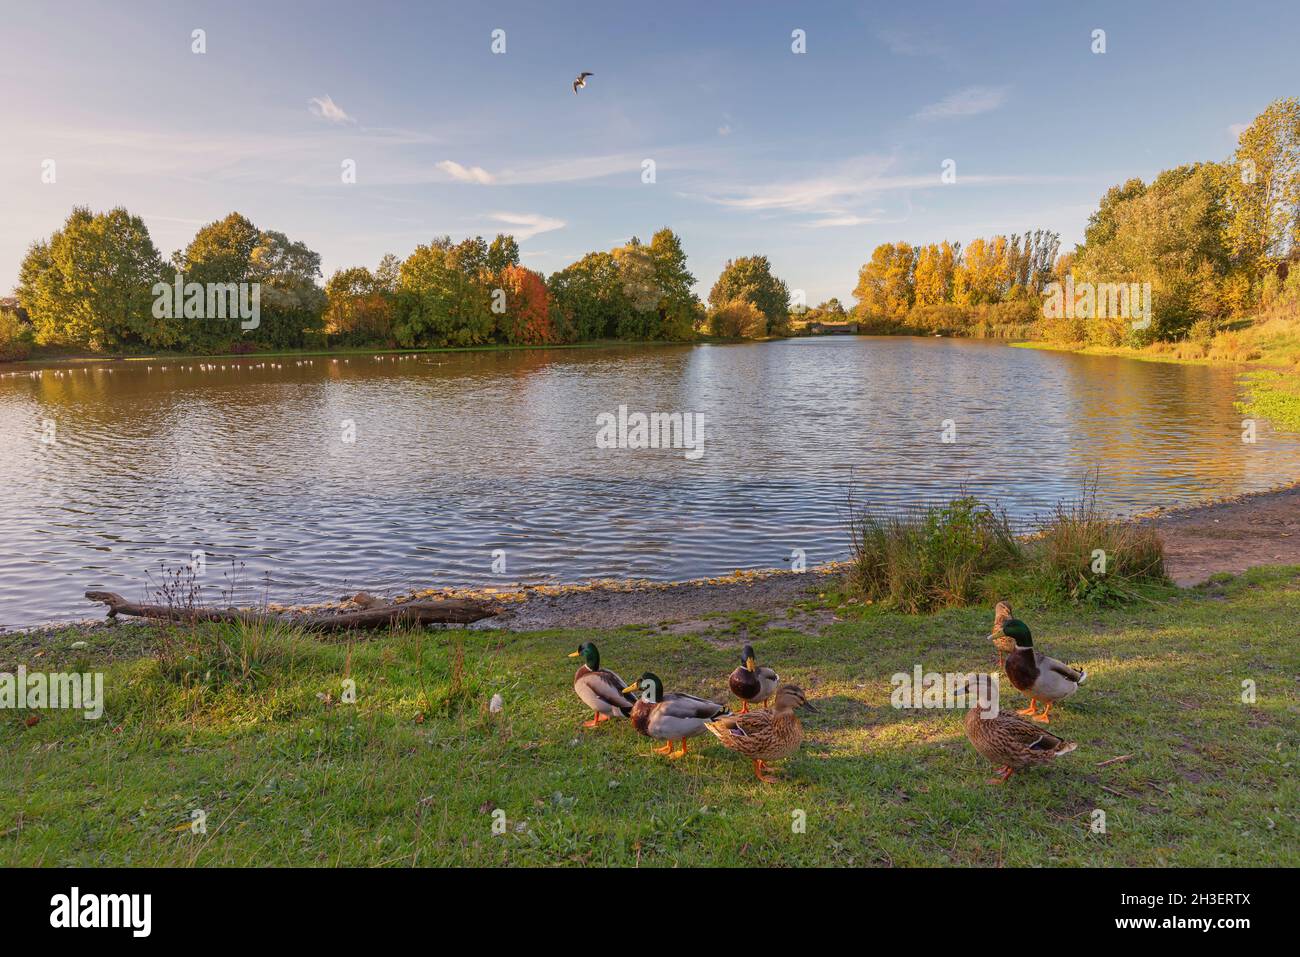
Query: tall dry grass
x,y
922,559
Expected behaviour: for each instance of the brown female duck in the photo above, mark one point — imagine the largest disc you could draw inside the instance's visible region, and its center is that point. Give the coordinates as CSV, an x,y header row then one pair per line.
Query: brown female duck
x,y
1009,741
762,736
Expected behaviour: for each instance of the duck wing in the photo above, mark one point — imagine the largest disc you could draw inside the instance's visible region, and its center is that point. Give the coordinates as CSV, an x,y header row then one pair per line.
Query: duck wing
x,y
740,725
1021,734
1061,668
608,687
679,705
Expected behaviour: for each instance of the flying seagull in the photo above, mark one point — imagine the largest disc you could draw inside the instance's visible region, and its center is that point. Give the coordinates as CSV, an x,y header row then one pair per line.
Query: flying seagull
x,y
581,81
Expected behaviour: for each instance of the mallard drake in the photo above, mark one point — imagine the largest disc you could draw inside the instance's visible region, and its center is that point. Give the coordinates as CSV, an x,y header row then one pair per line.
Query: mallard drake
x,y
669,717
750,682
1008,741
599,688
767,735
1002,613
1032,672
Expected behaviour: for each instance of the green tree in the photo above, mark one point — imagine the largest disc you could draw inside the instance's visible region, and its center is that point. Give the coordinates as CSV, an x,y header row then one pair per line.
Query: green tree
x,y
90,285
439,302
636,269
588,300
233,250
1263,189
503,253
1170,235
750,279
679,307
1101,224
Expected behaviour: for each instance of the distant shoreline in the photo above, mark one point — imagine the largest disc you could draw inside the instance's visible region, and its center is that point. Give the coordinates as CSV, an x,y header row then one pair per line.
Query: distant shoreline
x,y
56,359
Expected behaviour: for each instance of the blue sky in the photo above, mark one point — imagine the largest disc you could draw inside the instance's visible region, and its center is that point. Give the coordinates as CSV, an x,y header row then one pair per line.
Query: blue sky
x,y
809,158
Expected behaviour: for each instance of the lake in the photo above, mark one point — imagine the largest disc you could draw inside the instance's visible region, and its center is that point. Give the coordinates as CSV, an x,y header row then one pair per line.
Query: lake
x,y
317,477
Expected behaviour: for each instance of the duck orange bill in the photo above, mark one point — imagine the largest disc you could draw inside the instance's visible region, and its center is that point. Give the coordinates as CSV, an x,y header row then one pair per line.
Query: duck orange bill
x,y
630,688
574,654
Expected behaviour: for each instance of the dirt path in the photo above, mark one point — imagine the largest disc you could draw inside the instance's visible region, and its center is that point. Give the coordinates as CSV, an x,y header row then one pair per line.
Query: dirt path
x,y
1232,536
684,606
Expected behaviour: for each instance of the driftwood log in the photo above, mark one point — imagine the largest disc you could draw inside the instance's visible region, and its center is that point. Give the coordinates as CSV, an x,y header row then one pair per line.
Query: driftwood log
x,y
457,611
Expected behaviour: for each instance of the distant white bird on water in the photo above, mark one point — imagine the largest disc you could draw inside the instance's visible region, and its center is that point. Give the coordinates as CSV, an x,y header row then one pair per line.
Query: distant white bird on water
x,y
581,81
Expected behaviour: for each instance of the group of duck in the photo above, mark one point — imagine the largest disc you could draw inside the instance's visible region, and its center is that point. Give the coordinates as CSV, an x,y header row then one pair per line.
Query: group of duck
x,y
760,735
771,733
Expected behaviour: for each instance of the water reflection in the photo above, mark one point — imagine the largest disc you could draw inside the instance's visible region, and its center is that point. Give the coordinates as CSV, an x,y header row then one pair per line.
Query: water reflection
x,y
456,455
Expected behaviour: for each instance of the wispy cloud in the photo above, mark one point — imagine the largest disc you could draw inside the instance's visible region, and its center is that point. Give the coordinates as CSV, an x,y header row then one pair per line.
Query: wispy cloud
x,y
466,174
528,225
560,170
971,101
327,109
834,220
826,193
846,194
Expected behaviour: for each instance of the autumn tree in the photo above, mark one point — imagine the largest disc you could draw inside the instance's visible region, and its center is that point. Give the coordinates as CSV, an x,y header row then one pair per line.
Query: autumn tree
x,y
750,278
885,289
526,320
737,319
361,305
935,264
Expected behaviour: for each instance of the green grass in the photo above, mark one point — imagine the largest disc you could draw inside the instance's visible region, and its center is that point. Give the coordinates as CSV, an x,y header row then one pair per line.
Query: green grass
x,y
255,735
1274,396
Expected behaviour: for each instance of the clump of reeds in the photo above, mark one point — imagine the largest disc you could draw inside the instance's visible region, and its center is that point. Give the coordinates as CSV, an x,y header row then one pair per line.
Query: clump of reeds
x,y
959,553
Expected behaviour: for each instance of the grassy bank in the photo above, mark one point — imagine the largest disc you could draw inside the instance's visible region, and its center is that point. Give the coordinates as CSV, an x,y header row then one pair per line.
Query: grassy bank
x,y
249,727
1268,343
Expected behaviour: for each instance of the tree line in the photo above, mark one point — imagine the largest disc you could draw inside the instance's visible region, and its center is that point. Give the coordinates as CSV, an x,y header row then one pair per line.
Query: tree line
x,y
1215,241
91,286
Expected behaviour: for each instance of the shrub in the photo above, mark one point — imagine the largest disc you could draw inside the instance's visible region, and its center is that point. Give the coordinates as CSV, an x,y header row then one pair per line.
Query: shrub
x,y
15,337
929,558
1083,554
737,319
963,552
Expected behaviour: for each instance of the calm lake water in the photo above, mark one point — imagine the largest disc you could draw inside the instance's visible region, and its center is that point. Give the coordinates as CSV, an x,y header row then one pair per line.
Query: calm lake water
x,y
457,455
